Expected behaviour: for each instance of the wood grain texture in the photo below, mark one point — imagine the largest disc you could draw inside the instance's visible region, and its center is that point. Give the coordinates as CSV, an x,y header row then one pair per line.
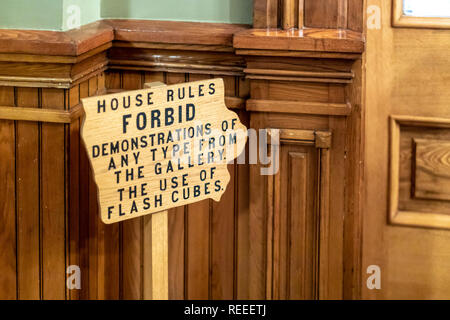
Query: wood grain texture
x,y
422,251
8,258
28,196
160,253
74,178
211,255
322,13
265,14
174,32
431,176
72,43
329,40
177,232
84,194
53,197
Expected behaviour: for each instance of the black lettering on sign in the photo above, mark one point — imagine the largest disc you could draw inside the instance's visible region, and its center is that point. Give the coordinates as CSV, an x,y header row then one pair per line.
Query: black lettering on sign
x,y
155,149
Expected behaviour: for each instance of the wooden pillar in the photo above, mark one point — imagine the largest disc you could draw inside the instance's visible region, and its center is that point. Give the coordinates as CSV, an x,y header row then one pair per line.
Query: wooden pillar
x,y
288,14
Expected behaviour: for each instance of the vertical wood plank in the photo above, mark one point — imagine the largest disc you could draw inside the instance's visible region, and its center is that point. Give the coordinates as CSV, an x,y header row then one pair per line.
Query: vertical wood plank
x,y
160,259
324,267
176,253
96,278
109,249
132,229
288,14
265,14
8,289
52,173
223,228
177,232
298,224
28,217
147,221
84,211
258,212
342,14
301,14
198,241
198,249
74,178
355,15
147,280
321,13
222,243
242,207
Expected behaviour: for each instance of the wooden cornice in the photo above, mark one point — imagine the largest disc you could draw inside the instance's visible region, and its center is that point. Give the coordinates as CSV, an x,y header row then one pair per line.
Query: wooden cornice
x,y
175,32
312,39
62,59
54,43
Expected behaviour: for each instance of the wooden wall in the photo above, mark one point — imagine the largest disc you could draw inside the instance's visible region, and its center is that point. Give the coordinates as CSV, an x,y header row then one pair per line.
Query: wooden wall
x,y
307,86
45,196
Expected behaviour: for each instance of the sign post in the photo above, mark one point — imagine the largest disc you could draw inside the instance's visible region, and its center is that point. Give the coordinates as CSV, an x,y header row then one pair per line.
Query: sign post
x,y
160,245
159,148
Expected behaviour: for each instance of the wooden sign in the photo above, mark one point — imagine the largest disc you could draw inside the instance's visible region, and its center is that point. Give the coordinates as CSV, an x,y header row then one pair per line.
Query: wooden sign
x,y
159,148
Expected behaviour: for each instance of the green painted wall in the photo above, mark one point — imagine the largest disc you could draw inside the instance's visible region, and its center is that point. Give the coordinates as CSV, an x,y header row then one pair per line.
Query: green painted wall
x,y
29,14
226,11
89,12
66,14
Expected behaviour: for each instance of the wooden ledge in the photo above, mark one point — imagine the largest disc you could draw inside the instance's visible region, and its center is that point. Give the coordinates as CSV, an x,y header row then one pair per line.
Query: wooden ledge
x,y
55,43
317,40
77,42
175,32
91,36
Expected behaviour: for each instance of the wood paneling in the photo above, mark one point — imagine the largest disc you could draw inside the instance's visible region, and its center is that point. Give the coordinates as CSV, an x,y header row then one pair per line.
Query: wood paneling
x,y
302,83
432,167
53,200
28,193
8,254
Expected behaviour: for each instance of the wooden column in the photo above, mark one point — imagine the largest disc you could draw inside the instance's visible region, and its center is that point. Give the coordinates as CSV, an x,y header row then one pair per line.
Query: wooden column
x,y
288,14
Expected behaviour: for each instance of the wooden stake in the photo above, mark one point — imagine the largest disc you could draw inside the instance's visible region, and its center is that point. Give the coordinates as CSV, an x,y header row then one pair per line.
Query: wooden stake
x,y
160,246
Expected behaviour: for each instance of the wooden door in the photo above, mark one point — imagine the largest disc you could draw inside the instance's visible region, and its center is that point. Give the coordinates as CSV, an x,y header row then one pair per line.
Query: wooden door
x,y
407,207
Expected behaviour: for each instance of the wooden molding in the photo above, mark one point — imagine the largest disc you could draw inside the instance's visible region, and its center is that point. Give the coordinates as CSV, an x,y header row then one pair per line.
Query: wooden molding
x,y
319,139
402,21
408,217
40,114
318,40
320,251
63,59
300,107
53,43
175,32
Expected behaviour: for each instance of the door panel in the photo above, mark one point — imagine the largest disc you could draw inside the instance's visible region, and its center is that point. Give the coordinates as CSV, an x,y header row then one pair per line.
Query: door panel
x,y
407,144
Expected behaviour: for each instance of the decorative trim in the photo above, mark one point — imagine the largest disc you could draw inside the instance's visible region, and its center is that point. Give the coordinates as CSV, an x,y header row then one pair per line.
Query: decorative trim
x,y
175,67
322,260
78,54
41,115
319,139
410,218
299,107
401,21
48,82
318,40
303,76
